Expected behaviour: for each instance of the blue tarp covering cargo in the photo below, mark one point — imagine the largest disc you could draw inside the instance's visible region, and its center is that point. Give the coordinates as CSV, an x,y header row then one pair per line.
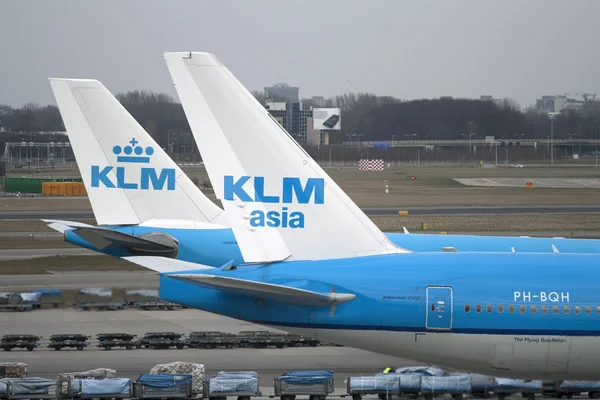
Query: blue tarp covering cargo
x,y
479,382
237,374
410,381
306,377
112,386
518,384
580,385
48,292
445,384
29,385
387,382
31,297
163,380
427,371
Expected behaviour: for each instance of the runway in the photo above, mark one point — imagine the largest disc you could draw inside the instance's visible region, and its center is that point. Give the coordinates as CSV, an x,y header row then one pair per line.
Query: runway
x,y
22,254
386,211
269,363
564,183
78,280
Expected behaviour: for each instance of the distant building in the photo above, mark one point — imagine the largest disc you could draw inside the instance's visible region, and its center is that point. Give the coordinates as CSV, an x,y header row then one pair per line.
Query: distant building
x,y
558,103
283,103
550,104
283,92
497,102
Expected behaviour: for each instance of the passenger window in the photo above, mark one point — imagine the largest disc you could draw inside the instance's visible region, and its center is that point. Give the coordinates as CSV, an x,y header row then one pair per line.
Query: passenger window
x,y
544,309
500,308
555,309
588,310
511,309
489,308
478,308
598,310
467,308
533,309
577,310
523,309
567,309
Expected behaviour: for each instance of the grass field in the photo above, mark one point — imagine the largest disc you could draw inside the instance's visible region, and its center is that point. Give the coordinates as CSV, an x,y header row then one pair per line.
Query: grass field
x,y
432,187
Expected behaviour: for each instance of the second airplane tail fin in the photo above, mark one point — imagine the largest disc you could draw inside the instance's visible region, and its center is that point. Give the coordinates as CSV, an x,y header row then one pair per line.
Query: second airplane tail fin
x,y
281,204
128,177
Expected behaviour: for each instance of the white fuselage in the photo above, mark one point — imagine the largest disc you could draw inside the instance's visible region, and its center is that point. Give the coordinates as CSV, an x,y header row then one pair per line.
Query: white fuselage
x,y
523,357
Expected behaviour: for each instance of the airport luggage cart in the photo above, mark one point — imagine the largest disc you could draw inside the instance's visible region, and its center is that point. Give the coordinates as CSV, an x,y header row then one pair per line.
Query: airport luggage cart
x,y
242,384
157,305
383,385
528,389
569,389
162,386
30,388
457,386
50,297
294,340
68,340
162,340
29,342
481,385
111,388
97,299
252,338
211,340
13,302
261,339
107,341
315,384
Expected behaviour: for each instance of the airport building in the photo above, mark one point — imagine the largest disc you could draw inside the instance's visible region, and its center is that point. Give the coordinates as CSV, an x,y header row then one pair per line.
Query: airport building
x,y
283,103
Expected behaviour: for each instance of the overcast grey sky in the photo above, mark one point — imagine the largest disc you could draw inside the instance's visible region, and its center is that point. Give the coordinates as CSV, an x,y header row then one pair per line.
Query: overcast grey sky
x,y
408,49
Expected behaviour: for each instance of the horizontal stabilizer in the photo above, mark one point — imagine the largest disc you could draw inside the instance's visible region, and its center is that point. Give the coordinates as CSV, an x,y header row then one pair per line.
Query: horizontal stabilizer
x,y
166,265
268,291
63,226
102,238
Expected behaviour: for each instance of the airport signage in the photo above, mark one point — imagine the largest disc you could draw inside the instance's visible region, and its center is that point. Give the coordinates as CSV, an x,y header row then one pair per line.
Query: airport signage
x,y
327,119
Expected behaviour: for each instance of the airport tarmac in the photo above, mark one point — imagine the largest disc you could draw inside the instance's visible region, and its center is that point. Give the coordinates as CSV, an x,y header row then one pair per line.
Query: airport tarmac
x,y
389,211
79,280
22,254
567,183
269,363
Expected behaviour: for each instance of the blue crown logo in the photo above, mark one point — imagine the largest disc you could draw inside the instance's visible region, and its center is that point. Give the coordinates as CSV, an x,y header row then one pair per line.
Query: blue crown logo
x,y
137,151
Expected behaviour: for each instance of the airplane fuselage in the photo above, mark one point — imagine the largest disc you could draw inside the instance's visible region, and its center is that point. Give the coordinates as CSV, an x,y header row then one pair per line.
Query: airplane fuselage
x,y
215,247
536,316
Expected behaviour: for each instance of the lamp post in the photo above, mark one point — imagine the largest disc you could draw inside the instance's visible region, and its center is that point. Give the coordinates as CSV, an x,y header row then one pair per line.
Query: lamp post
x,y
552,116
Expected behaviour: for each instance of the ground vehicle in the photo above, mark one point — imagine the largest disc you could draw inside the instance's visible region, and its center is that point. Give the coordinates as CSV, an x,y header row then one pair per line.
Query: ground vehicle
x,y
261,339
211,340
65,340
162,340
109,340
10,342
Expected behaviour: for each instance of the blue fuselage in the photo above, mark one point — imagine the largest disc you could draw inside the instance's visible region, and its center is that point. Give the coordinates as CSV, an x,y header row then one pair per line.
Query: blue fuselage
x,y
517,315
215,247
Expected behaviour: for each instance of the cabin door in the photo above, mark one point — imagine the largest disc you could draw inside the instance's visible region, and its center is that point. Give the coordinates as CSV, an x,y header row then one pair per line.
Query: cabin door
x,y
439,308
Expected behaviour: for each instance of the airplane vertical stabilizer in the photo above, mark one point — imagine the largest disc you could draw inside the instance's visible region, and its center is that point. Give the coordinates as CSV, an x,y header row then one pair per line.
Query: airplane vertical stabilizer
x,y
128,177
281,204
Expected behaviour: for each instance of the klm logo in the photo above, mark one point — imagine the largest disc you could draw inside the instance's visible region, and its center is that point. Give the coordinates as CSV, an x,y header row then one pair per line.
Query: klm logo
x,y
149,179
293,192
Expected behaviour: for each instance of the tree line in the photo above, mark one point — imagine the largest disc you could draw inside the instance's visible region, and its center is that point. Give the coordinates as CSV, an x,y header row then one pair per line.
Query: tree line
x,y
365,117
